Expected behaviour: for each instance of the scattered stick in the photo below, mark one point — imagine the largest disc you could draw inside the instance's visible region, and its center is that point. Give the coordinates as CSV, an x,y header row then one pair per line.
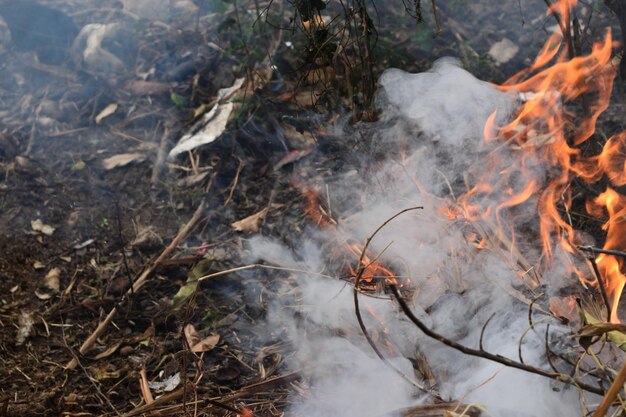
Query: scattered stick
x,y
614,390
145,387
164,399
147,273
222,401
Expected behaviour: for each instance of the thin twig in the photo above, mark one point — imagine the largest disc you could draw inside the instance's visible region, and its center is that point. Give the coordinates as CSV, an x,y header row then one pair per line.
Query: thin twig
x,y
599,250
359,275
486,355
605,298
89,377
482,331
147,273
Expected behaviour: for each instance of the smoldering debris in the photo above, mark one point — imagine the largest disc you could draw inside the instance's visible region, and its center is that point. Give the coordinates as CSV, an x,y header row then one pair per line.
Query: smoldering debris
x,y
468,294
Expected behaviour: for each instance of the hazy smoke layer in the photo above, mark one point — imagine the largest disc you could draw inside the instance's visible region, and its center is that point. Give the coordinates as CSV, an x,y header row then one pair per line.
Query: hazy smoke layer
x,y
458,287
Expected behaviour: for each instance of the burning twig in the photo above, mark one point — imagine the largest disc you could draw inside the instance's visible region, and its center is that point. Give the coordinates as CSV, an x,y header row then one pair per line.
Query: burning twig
x,y
457,346
361,268
605,298
605,251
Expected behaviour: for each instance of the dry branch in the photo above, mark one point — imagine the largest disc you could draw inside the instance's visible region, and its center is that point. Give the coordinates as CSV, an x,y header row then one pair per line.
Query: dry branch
x,y
616,387
451,343
487,355
147,273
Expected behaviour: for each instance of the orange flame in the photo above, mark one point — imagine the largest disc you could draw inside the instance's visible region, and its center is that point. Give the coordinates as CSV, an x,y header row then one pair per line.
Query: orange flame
x,y
543,137
536,156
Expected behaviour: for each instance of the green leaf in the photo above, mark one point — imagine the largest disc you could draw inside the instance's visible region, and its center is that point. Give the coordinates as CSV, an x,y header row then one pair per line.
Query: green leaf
x,y
191,285
79,165
178,100
616,337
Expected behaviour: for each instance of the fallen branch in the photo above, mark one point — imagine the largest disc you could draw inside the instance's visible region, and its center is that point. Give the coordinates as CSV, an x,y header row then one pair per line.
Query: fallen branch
x,y
616,387
147,273
487,355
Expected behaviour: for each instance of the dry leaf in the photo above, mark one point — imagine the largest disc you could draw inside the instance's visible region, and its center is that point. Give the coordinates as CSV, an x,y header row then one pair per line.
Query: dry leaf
x,y
206,344
111,350
211,127
192,179
25,327
168,385
212,124
251,223
191,335
53,279
108,110
197,343
43,296
147,87
39,226
39,265
503,51
121,160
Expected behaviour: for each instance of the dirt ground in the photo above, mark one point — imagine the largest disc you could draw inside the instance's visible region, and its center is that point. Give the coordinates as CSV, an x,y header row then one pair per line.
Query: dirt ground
x,y
76,232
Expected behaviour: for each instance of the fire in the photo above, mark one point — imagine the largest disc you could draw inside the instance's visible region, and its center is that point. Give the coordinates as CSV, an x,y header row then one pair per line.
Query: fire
x,y
544,136
609,265
534,158
368,270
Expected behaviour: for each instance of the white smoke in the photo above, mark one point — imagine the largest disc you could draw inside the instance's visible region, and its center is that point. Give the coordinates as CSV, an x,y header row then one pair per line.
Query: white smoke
x,y
457,287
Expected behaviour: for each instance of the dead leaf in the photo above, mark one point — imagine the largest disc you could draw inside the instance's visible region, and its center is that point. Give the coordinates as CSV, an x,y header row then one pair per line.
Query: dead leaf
x,y
121,160
197,343
206,344
192,180
111,350
140,88
211,126
53,279
168,385
251,223
292,157
39,226
39,265
108,110
191,335
43,296
503,51
105,372
25,327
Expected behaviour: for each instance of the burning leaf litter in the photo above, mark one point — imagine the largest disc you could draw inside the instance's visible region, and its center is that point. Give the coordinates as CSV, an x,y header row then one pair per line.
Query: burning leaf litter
x,y
466,269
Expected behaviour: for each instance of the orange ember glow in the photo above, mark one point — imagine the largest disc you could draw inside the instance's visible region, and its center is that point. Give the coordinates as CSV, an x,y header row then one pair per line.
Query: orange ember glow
x,y
372,270
245,412
369,270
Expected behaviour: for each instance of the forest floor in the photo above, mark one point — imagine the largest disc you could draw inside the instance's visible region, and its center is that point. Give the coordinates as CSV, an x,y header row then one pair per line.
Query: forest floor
x,y
89,201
